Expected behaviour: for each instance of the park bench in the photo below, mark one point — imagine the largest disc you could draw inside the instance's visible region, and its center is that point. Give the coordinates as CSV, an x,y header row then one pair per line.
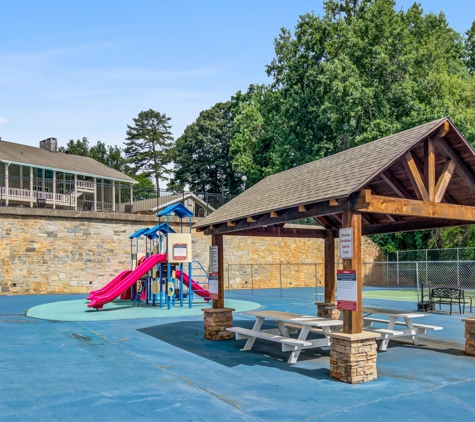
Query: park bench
x,y
450,296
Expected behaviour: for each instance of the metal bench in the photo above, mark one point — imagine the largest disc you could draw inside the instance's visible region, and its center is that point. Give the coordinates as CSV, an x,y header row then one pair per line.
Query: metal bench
x,y
450,296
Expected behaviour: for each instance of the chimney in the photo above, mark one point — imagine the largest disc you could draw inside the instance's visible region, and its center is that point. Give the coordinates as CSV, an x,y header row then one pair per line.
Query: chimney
x,y
51,144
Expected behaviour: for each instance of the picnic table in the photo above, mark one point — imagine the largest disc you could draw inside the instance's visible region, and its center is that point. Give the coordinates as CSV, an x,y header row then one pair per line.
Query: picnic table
x,y
388,330
286,324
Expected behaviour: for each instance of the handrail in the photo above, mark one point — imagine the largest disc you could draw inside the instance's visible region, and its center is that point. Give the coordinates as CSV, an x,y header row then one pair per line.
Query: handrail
x,y
206,275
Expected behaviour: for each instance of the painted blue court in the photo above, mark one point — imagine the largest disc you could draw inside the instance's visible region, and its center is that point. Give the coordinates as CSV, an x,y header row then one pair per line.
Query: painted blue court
x,y
163,369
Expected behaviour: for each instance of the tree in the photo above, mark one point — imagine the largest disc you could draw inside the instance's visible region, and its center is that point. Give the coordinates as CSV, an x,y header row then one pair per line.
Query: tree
x,y
470,48
78,147
201,155
149,144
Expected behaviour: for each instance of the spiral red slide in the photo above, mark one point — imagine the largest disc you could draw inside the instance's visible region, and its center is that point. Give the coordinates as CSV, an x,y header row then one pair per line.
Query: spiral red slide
x,y
98,301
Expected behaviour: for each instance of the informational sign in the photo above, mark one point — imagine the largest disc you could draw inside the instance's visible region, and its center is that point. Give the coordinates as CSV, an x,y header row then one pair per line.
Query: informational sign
x,y
213,272
346,243
179,247
213,259
179,252
347,298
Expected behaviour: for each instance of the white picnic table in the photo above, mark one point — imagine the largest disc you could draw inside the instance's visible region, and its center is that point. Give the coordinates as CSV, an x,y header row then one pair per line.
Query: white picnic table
x,y
286,324
388,330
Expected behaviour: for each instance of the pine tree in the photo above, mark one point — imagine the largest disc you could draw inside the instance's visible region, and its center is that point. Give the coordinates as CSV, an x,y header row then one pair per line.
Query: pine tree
x,y
149,144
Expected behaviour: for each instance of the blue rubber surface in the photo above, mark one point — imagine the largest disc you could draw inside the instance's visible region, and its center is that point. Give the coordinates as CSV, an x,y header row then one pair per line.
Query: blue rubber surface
x,y
163,369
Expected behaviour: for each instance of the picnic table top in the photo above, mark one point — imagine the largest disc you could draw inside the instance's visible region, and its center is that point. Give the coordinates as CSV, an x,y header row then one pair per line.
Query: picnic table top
x,y
296,318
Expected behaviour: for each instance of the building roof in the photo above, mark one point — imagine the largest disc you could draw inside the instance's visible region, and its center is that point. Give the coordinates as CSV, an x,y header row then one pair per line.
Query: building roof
x,y
42,158
178,209
332,177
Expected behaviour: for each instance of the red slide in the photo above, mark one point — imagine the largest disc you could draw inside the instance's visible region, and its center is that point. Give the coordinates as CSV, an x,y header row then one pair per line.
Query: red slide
x,y
200,291
109,285
99,301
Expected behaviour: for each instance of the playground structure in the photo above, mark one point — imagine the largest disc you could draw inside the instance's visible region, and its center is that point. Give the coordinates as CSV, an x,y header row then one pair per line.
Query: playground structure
x,y
157,275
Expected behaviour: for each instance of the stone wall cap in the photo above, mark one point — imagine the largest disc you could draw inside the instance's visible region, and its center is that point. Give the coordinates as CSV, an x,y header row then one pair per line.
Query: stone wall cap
x,y
365,335
326,303
212,310
468,319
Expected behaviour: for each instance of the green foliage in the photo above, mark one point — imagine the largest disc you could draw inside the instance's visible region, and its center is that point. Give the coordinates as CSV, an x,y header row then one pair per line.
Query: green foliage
x,y
201,155
361,72
149,144
470,48
110,156
403,241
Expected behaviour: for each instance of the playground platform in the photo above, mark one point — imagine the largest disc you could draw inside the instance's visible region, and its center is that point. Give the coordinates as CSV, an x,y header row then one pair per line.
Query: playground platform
x,y
162,368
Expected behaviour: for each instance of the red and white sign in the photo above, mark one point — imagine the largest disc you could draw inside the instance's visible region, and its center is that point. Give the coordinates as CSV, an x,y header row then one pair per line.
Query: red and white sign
x,y
347,290
179,251
213,285
346,243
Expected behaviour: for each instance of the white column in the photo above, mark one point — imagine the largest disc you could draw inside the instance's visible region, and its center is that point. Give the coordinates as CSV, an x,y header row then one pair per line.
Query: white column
x,y
120,197
102,195
76,192
31,187
113,196
95,194
7,184
54,189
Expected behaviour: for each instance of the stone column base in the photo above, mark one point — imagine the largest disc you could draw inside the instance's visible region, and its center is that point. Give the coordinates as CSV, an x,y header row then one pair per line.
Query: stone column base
x,y
469,336
353,357
322,311
216,322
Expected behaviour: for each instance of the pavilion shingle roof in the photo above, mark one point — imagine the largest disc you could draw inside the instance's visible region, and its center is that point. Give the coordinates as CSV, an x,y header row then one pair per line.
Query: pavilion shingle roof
x,y
32,156
334,176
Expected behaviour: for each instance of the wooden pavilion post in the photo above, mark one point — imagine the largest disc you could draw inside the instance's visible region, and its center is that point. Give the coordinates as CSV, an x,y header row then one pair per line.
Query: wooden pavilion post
x,y
326,308
353,352
217,240
352,321
218,318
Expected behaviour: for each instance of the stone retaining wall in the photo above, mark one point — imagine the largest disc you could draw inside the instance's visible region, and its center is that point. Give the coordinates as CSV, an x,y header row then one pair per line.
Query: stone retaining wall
x,y
57,251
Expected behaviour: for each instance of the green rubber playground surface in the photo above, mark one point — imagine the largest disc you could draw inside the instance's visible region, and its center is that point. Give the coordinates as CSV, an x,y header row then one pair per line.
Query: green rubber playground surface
x,y
77,310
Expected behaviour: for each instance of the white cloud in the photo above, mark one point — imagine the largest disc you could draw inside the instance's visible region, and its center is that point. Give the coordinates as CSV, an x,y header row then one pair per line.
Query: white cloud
x,y
3,120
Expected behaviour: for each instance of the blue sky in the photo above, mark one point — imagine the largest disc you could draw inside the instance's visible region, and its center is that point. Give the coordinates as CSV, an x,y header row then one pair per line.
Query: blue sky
x,y
71,68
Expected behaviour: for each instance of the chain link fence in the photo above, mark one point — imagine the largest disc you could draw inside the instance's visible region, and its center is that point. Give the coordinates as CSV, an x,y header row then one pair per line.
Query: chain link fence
x,y
391,285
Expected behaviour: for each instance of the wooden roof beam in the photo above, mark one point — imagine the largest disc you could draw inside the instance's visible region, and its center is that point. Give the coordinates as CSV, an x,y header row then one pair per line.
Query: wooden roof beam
x,y
278,231
395,185
324,222
407,226
429,168
415,177
444,129
408,207
460,168
444,180
355,201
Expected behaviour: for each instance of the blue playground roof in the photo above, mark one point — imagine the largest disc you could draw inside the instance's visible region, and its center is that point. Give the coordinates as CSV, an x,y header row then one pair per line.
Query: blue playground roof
x,y
139,233
162,228
179,209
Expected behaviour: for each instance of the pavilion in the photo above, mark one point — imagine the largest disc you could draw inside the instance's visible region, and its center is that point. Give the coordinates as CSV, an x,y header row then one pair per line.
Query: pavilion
x,y
421,178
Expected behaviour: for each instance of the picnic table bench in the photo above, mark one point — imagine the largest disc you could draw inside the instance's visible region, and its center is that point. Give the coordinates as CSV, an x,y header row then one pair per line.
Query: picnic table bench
x,y
389,331
287,323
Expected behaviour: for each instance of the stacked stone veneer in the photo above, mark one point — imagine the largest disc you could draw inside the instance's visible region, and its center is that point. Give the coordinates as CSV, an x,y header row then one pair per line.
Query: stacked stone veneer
x,y
57,251
215,323
469,336
353,357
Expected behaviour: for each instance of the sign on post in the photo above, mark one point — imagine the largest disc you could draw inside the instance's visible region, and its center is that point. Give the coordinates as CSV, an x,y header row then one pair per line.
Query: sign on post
x,y
213,272
347,290
346,243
